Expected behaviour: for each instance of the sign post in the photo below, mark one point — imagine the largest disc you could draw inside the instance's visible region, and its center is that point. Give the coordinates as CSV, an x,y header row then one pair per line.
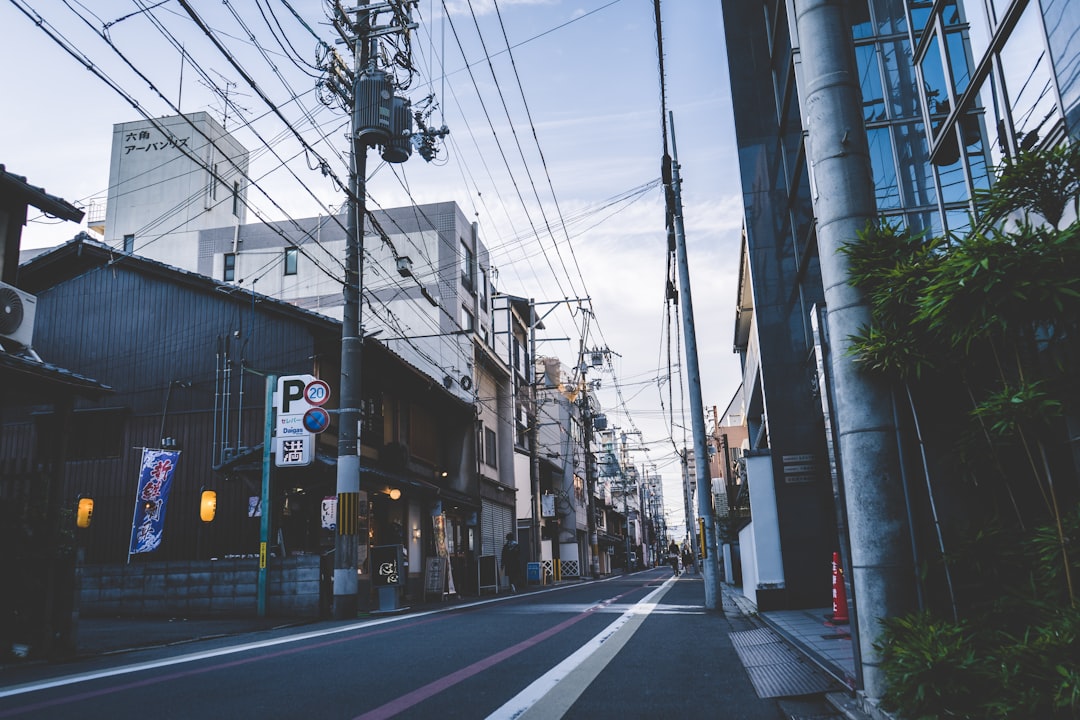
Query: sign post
x,y
264,503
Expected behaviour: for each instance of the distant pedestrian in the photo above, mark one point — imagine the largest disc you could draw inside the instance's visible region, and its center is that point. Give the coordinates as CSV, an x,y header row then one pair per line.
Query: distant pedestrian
x,y
687,557
511,561
673,557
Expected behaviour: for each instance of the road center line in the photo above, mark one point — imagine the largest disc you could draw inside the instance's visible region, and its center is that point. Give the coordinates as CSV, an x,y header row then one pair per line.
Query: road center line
x,y
406,701
539,701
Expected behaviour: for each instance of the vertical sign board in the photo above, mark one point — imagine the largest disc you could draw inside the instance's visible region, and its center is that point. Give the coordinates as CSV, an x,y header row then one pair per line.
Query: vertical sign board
x,y
388,565
295,445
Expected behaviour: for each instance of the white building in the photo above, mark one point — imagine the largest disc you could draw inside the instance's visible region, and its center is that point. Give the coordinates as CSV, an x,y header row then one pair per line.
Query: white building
x,y
169,178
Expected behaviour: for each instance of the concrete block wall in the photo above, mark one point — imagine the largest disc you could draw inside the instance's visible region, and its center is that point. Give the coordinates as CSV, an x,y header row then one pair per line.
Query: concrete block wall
x,y
201,588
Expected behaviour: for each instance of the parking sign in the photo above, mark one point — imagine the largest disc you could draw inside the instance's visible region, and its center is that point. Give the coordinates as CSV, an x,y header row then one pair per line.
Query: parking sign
x,y
295,443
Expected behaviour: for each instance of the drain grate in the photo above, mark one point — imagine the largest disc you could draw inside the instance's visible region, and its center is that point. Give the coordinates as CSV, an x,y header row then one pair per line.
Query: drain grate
x,y
775,668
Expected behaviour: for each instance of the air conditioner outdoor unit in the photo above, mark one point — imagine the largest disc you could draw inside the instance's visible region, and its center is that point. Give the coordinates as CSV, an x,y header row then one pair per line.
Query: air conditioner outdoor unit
x,y
17,310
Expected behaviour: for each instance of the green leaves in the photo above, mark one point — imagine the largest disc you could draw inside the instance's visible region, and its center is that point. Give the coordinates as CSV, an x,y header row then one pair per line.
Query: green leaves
x,y
1010,409
984,328
1014,658
1040,181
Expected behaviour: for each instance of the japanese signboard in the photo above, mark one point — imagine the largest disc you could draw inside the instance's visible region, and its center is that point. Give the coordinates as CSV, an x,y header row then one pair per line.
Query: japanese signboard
x,y
297,401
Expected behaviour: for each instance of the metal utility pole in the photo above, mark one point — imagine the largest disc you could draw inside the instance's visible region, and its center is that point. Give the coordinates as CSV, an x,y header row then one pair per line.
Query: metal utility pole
x,y
709,565
844,204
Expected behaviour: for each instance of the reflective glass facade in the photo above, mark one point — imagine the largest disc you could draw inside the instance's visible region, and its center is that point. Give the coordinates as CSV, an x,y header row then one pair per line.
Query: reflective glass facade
x,y
949,88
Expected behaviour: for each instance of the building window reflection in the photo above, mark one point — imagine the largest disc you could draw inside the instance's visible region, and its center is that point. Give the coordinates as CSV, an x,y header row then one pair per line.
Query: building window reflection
x,y
1029,90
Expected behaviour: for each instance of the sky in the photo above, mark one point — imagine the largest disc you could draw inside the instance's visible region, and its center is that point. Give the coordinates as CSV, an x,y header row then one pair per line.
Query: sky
x,y
554,112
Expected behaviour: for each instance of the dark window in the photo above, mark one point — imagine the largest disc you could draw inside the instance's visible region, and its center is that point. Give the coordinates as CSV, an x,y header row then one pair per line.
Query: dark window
x,y
129,244
230,268
371,420
468,322
292,256
491,449
468,270
236,199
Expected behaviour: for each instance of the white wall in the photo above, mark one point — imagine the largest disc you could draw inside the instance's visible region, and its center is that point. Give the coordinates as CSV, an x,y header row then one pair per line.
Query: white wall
x,y
767,558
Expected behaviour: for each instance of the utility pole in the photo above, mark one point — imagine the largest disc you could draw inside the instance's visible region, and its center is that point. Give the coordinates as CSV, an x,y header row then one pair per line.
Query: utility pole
x,y
346,546
839,159
590,474
379,118
534,435
710,567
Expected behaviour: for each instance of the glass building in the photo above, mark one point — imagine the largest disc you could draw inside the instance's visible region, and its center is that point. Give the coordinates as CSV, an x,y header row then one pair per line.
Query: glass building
x,y
949,89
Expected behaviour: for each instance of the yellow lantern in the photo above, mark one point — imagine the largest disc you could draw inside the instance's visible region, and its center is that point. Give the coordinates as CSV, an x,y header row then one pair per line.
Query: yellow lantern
x,y
85,512
208,506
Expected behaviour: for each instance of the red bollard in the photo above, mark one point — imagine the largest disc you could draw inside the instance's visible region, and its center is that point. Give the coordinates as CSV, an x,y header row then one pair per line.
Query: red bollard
x,y
839,594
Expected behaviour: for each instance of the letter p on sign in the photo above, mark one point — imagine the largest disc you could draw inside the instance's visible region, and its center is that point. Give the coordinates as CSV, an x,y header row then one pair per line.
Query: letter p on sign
x,y
289,399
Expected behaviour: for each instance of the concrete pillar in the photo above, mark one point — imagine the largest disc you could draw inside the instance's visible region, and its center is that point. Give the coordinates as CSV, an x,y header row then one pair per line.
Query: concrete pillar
x,y
843,185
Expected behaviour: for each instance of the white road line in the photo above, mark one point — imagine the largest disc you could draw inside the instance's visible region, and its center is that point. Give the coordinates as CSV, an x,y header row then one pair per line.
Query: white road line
x,y
539,701
233,649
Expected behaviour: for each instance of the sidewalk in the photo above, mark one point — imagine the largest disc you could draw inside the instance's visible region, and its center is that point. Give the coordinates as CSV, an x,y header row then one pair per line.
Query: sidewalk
x,y
827,645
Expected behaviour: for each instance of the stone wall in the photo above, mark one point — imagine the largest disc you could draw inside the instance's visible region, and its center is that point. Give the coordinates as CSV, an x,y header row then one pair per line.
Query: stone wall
x,y
201,588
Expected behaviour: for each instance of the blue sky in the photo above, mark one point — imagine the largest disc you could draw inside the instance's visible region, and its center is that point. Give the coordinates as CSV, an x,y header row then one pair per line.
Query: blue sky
x,y
589,76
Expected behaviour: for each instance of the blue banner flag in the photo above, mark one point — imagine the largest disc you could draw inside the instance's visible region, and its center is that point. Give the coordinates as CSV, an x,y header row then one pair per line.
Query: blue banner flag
x,y
155,480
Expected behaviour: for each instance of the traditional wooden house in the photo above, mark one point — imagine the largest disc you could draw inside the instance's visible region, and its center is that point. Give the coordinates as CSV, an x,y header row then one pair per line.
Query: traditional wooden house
x,y
188,358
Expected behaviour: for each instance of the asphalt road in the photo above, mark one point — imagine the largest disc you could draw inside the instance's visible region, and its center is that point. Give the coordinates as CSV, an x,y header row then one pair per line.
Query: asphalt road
x,y
637,646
